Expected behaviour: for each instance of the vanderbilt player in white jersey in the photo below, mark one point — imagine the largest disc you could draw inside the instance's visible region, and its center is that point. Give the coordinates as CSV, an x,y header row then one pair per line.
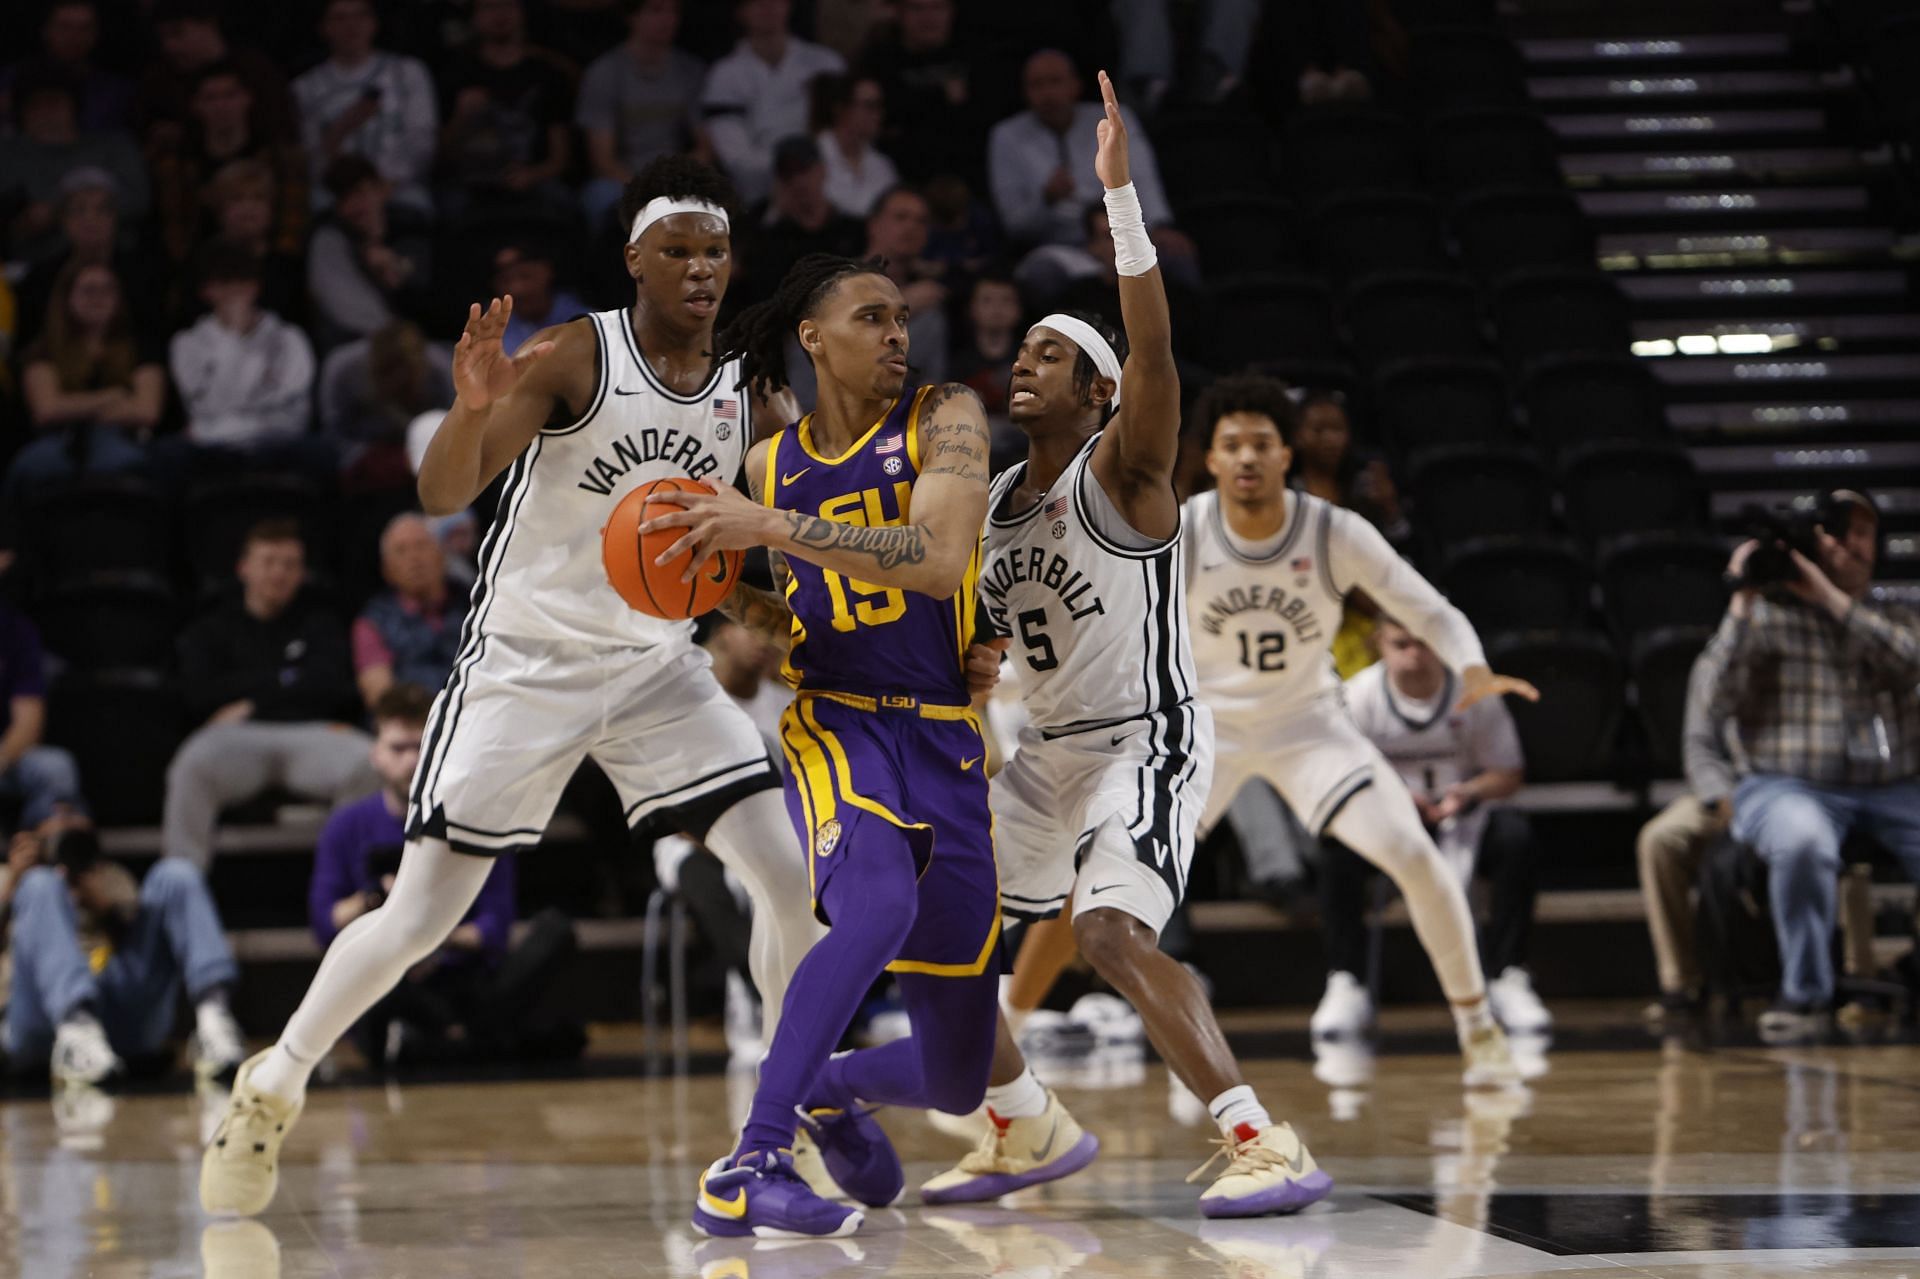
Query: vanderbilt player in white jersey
x,y
1095,813
1269,569
554,667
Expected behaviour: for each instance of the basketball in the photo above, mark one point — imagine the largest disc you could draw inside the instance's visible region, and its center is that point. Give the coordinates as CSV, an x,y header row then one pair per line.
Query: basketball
x,y
629,555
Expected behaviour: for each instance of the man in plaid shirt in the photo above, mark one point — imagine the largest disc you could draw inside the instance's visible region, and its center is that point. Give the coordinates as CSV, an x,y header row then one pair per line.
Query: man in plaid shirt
x,y
1822,686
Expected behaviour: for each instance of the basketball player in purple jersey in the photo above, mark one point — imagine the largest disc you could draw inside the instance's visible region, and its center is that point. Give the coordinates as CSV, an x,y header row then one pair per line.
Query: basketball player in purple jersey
x,y
875,503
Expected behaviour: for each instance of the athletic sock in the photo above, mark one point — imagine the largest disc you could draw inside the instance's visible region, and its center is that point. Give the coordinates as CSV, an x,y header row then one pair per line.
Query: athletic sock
x,y
1471,1018
1024,1098
1239,1113
282,1074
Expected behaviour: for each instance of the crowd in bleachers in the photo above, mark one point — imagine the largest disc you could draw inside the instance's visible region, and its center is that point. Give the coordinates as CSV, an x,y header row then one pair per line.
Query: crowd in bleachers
x,y
238,241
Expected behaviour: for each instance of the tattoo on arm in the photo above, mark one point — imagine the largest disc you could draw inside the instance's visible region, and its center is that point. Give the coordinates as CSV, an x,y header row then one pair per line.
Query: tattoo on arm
x,y
762,612
954,442
889,547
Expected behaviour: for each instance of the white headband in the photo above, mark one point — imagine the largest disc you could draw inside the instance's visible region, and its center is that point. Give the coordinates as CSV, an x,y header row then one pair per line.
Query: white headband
x,y
1089,340
665,207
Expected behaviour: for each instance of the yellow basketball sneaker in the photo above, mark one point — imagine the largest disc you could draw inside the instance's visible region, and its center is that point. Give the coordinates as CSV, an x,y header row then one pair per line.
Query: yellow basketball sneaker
x,y
240,1168
1268,1171
1015,1154
1489,1059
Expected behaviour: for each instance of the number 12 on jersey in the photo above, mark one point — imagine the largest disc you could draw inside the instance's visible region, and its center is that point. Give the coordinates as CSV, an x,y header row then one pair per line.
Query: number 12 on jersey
x,y
1263,652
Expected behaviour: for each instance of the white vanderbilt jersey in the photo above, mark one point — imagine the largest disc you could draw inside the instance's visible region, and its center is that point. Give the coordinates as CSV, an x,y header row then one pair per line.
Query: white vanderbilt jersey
x,y
1264,618
1097,626
540,567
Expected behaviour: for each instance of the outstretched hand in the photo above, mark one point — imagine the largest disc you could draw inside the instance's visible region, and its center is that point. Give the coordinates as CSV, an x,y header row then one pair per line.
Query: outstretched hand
x,y
1110,161
482,370
1477,683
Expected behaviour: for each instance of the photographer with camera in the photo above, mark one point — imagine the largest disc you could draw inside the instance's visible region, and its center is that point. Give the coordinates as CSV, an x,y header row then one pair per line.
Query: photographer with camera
x,y
475,997
95,963
1819,683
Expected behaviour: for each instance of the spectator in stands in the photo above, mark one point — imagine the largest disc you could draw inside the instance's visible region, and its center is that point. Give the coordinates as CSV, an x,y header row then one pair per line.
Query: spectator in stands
x,y
1050,271
246,200
99,960
1672,846
269,677
926,76
983,358
1328,465
1041,163
799,220
47,145
897,232
364,267
90,232
371,391
526,271
963,234
94,389
1147,49
848,111
1458,764
224,126
193,41
1819,679
638,102
364,101
757,95
507,106
477,982
245,376
410,632
40,779
68,37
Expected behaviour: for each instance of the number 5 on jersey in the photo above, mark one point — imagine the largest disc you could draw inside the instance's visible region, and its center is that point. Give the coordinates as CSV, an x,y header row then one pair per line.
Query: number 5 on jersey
x,y
1033,634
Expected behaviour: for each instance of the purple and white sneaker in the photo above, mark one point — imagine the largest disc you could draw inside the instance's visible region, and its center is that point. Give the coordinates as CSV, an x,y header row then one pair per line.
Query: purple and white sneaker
x,y
1015,1154
759,1194
1268,1172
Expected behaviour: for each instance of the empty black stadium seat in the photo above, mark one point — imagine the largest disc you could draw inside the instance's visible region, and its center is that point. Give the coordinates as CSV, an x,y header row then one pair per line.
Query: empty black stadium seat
x,y
1242,234
1270,318
1577,398
1570,733
1410,314
1507,230
1552,312
110,620
1513,582
1462,67
123,727
219,511
1662,661
98,524
1209,153
1613,487
1329,150
1425,403
1469,150
1650,581
1368,231
1461,492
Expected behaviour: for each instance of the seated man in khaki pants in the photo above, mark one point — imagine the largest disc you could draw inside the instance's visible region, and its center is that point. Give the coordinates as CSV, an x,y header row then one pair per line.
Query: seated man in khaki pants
x,y
1672,844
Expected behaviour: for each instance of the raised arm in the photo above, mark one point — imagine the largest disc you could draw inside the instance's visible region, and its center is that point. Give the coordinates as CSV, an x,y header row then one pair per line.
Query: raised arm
x,y
500,404
929,555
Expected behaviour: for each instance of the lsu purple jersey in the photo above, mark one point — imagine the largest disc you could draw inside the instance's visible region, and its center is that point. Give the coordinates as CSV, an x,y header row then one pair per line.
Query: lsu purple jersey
x,y
851,636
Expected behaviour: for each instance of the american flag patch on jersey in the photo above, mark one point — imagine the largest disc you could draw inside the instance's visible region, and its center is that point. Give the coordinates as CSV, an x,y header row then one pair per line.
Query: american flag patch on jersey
x,y
1057,507
892,444
727,408
1303,564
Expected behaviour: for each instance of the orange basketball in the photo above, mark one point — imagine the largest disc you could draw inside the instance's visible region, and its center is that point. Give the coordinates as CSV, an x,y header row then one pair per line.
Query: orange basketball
x,y
629,554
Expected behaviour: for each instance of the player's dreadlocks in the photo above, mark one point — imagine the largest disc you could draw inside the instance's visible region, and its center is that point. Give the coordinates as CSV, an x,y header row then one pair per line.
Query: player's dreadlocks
x,y
758,335
1246,393
677,177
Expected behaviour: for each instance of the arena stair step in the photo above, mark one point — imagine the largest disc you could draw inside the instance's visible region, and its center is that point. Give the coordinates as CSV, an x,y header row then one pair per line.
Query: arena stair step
x,y
1694,248
1725,206
1693,166
1856,463
1767,292
1666,88
1777,126
1665,52
1774,419
1722,335
1818,371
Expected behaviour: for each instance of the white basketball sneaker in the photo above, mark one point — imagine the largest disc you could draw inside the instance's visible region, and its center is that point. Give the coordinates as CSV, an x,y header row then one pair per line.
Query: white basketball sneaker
x,y
1345,1011
240,1169
81,1054
1268,1172
1516,1006
1015,1154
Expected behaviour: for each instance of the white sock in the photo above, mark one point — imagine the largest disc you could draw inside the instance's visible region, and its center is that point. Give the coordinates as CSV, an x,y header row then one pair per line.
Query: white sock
x,y
1237,1107
1016,1017
282,1074
1468,1018
1024,1098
